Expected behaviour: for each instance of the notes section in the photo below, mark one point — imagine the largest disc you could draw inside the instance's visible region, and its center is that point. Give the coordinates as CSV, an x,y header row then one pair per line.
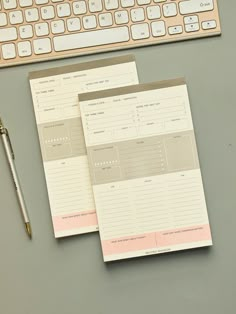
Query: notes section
x,y
55,97
145,170
155,203
70,194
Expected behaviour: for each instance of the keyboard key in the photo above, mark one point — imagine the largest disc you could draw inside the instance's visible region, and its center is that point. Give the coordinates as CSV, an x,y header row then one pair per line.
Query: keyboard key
x,y
121,17
153,12
58,27
42,46
25,3
9,4
16,17
79,7
195,6
32,15
209,24
24,49
191,19
192,27
105,19
41,1
158,29
8,51
63,10
95,5
41,29
8,34
73,24
174,30
142,2
91,39
89,21
47,12
170,9
140,31
111,4
127,3
137,15
26,31
3,19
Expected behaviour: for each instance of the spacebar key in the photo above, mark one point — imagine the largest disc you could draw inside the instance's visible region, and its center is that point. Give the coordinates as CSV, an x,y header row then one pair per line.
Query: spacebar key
x,y
91,39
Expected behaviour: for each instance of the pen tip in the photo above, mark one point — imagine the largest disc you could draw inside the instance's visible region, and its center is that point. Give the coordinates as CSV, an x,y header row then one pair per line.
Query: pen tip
x,y
28,229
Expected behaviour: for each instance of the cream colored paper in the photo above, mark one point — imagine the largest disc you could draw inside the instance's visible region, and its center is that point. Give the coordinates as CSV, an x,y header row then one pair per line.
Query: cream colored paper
x,y
145,170
55,99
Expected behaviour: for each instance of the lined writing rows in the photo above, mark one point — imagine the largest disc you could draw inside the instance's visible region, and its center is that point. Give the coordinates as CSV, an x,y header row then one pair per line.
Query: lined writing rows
x,y
156,207
69,186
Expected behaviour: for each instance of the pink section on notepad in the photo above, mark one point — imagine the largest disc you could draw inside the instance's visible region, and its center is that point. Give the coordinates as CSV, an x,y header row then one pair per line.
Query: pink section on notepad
x,y
156,240
129,244
75,220
183,235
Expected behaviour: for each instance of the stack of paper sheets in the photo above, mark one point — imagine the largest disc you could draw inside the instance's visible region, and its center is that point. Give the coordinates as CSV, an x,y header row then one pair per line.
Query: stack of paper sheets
x,y
139,161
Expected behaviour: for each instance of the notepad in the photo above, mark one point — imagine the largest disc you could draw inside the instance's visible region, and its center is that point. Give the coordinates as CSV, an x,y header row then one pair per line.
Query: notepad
x,y
55,100
145,170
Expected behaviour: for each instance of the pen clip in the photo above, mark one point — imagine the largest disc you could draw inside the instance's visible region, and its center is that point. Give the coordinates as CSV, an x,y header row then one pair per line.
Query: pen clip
x,y
3,130
9,141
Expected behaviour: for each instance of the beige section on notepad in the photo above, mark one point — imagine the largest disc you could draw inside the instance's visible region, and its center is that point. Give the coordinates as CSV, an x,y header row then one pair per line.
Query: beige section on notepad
x,y
132,159
62,139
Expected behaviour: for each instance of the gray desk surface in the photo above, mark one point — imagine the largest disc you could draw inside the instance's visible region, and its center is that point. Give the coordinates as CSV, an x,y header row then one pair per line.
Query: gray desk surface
x,y
47,276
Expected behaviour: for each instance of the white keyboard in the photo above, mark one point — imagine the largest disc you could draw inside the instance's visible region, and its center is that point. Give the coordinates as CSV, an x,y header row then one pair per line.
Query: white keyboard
x,y
37,30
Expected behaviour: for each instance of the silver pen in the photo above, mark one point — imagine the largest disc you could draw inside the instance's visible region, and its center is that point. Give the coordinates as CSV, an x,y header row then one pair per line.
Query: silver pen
x,y
10,157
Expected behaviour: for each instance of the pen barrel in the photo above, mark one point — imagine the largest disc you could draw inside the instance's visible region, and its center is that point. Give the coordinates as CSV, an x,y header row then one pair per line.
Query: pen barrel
x,y
15,178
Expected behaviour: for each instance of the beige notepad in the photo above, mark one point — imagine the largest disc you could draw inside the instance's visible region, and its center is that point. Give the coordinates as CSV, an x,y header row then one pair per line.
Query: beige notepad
x,y
55,99
145,170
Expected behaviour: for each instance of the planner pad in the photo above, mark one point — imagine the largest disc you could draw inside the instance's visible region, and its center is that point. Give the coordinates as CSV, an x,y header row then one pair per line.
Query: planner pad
x,y
145,170
55,100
